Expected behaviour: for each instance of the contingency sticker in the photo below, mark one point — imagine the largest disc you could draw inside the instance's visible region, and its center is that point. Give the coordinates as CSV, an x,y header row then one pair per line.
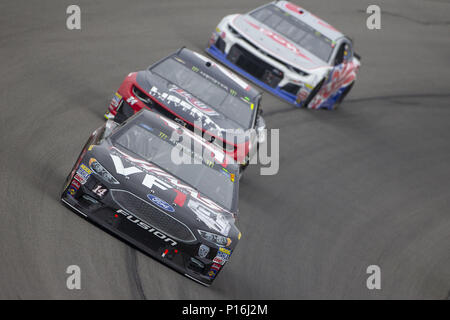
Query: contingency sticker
x,y
83,174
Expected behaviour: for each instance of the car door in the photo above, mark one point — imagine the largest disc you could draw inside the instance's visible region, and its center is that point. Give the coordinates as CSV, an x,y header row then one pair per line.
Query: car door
x,y
344,70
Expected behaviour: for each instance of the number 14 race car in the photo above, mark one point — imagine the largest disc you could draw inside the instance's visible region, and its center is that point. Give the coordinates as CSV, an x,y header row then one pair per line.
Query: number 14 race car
x,y
182,213
289,52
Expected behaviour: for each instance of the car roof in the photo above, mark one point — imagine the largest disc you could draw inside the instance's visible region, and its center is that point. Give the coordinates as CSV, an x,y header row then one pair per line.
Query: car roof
x,y
310,19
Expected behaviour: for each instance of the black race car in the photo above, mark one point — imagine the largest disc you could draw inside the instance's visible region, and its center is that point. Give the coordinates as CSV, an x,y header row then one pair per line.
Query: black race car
x,y
199,94
163,189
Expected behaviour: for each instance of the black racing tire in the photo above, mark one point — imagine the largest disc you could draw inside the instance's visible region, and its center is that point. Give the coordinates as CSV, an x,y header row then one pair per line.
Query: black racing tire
x,y
242,168
345,93
313,93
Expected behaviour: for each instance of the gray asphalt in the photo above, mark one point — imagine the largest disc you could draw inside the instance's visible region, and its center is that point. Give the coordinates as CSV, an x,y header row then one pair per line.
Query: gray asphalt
x,y
366,184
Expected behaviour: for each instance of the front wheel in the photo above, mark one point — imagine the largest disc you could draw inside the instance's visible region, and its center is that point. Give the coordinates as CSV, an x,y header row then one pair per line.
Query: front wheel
x,y
242,168
313,93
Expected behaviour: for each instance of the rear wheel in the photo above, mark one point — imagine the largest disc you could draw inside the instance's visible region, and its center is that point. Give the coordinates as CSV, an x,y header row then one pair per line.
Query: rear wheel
x,y
344,94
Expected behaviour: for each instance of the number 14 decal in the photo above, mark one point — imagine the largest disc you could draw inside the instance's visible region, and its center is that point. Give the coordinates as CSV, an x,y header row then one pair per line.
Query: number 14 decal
x,y
100,190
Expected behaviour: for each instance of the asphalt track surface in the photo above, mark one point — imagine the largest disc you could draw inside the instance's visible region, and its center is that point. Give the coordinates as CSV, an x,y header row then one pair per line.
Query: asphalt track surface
x,y
366,184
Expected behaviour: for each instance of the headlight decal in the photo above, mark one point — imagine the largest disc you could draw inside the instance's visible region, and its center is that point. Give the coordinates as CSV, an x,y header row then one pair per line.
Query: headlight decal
x,y
215,238
101,171
215,221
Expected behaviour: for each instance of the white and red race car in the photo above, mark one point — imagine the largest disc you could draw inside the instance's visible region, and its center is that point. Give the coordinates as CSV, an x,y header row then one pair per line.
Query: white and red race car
x,y
289,52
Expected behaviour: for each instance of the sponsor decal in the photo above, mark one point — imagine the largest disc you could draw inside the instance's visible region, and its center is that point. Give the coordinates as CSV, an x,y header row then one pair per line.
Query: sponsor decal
x,y
226,251
163,136
222,256
84,172
160,203
187,103
195,102
216,266
212,273
76,184
79,178
155,176
116,99
85,169
72,190
132,218
219,260
203,251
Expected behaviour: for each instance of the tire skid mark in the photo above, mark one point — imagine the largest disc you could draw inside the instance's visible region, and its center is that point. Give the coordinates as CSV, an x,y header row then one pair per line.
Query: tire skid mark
x,y
133,274
391,98
401,96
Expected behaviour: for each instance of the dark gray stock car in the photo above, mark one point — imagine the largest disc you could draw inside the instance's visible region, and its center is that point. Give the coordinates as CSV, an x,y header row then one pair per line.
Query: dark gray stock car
x,y
143,182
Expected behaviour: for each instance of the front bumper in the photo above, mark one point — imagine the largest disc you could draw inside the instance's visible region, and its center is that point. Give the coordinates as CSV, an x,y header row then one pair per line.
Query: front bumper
x,y
277,91
181,257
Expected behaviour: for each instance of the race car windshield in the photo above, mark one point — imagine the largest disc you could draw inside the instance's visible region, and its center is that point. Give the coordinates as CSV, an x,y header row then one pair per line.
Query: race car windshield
x,y
154,146
295,30
205,90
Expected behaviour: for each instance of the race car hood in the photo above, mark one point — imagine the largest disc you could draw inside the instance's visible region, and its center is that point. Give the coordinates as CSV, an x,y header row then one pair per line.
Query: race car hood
x,y
275,44
140,180
182,103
